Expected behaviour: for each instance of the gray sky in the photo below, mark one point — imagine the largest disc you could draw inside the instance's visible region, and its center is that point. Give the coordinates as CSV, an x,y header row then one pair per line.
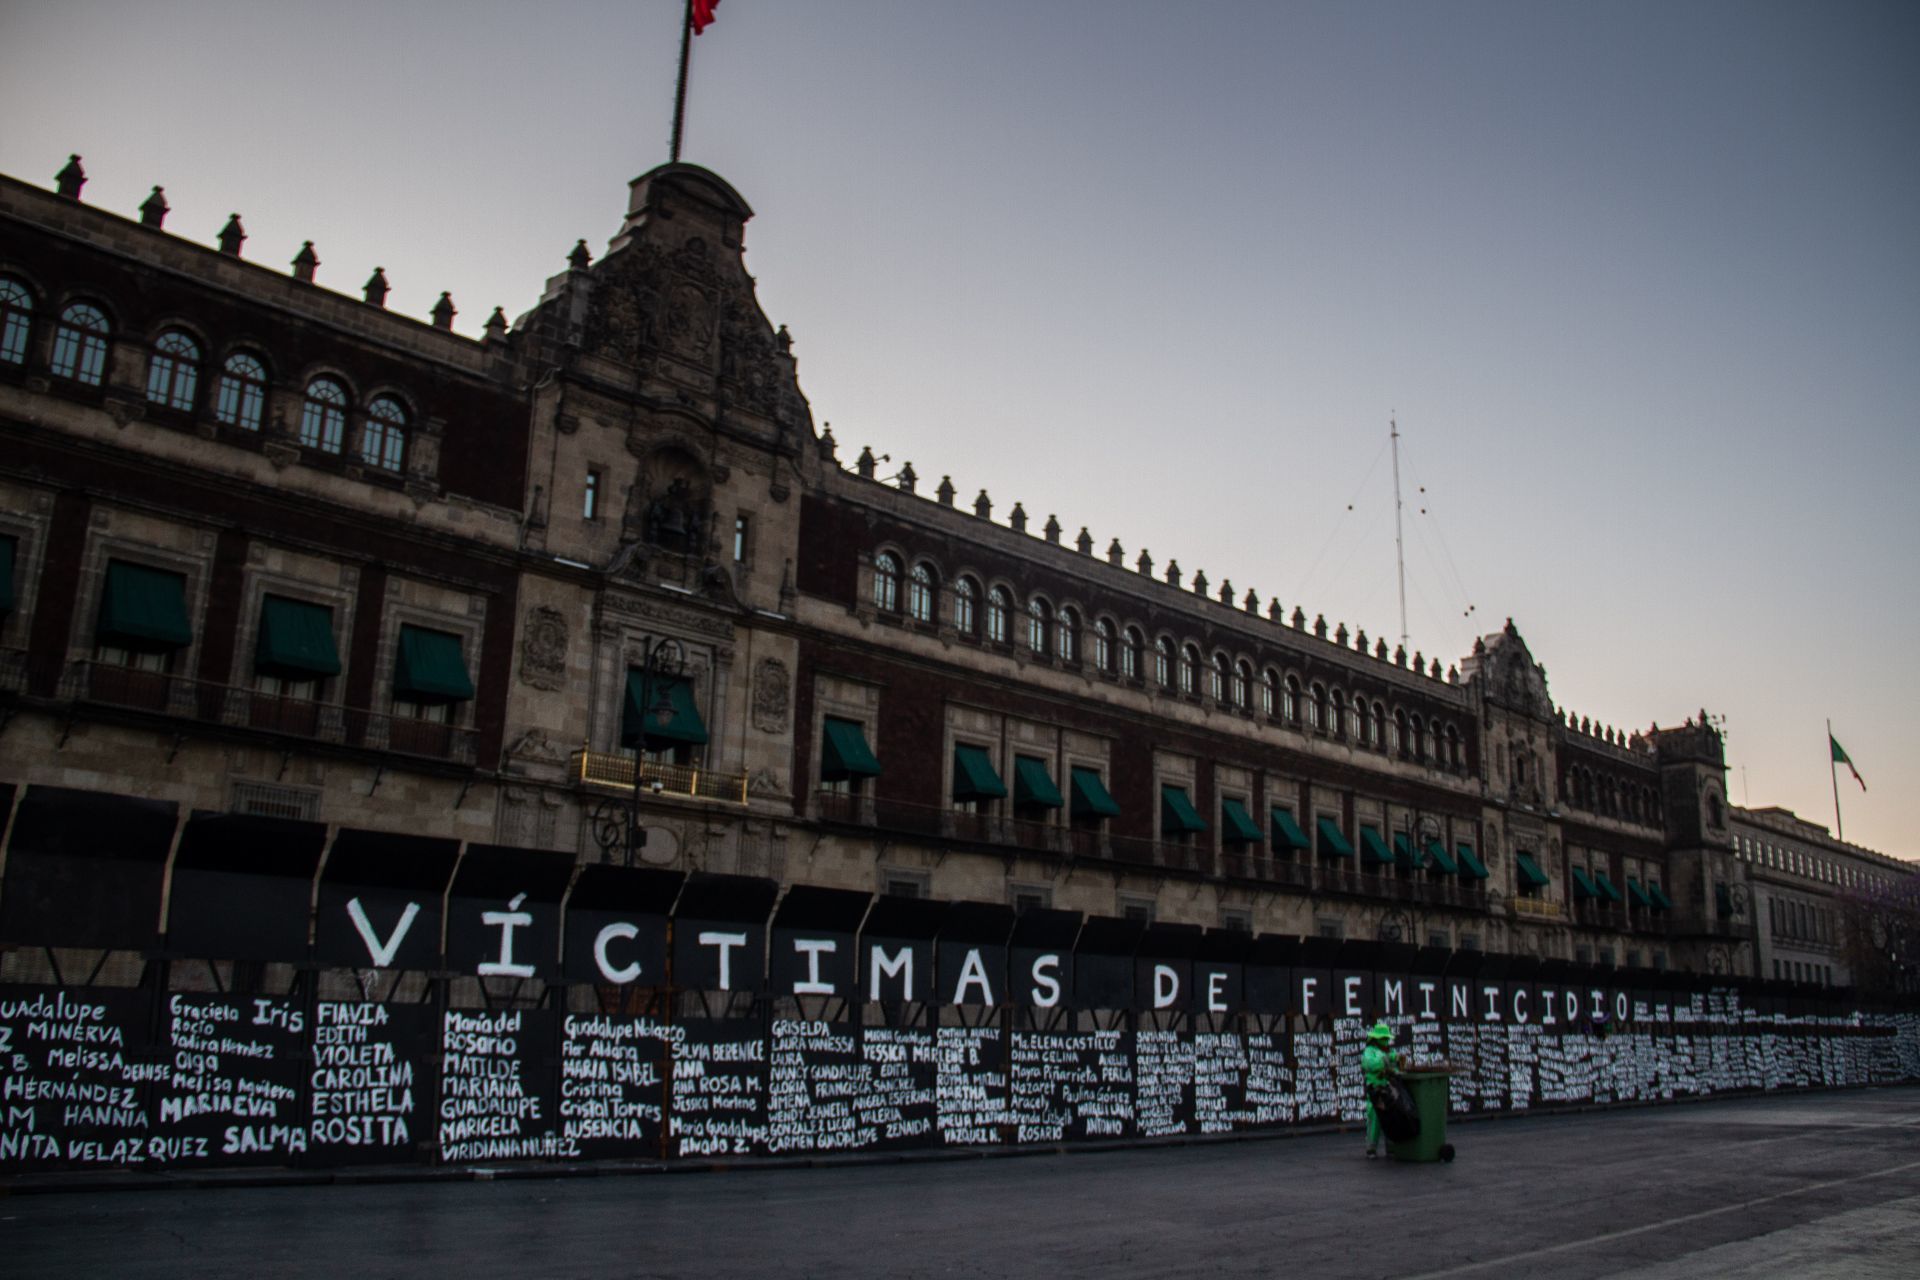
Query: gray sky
x,y
1641,281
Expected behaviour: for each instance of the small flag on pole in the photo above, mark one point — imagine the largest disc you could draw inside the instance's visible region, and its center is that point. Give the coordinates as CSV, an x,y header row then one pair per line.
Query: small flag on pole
x,y
703,14
1840,757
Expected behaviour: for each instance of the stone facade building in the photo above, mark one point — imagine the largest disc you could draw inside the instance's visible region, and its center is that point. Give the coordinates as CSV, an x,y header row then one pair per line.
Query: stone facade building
x,y
1798,871
274,549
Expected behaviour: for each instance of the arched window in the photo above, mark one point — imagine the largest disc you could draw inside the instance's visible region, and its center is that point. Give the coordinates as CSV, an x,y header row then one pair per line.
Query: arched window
x,y
1243,687
886,582
1039,623
1269,693
16,320
966,603
1400,733
173,374
920,593
1419,730
1103,646
1317,708
999,616
1340,713
1189,670
1067,641
80,345
323,422
1453,747
385,442
1132,653
240,398
1379,726
1163,663
1291,707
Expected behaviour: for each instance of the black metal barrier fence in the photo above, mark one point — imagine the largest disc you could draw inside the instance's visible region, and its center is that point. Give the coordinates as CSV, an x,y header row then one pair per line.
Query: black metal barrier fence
x,y
401,999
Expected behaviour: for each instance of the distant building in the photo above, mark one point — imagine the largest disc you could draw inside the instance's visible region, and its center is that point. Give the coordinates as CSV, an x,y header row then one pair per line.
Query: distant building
x,y
1798,873
271,548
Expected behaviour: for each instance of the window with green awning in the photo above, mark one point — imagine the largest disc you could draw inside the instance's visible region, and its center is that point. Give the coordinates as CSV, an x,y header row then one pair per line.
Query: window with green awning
x,y
1090,796
143,609
1406,853
1378,855
1236,824
974,777
1583,887
295,640
844,752
1333,843
1033,786
660,712
1177,814
1605,886
1530,873
1441,862
1638,894
1286,832
8,548
1470,864
1661,902
430,668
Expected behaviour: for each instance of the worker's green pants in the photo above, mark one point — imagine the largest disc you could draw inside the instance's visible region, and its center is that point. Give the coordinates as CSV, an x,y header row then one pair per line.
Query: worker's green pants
x,y
1373,1127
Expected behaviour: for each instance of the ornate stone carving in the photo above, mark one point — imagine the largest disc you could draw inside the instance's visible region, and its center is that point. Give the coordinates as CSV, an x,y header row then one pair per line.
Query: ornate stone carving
x,y
772,696
543,649
668,616
767,782
534,746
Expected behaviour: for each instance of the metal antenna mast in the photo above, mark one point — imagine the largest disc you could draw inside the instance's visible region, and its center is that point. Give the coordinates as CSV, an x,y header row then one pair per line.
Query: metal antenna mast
x,y
1399,542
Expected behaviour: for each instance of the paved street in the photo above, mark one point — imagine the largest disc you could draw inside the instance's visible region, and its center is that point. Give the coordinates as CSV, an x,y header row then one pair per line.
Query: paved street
x,y
1824,1185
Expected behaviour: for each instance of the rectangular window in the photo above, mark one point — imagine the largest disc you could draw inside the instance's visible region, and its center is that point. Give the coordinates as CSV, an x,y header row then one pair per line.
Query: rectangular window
x,y
740,538
1439,938
1236,919
590,500
1025,896
1132,908
1469,942
905,884
1329,927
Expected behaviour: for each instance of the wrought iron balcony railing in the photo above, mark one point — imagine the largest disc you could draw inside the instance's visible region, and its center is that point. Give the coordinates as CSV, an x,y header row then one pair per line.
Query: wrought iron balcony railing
x,y
614,771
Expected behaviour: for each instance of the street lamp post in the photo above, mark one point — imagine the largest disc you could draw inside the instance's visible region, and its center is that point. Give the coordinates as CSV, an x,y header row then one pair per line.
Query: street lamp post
x,y
616,822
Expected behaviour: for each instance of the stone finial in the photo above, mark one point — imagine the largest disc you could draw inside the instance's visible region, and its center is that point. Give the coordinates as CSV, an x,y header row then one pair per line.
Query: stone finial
x,y
1299,618
983,506
305,262
1116,554
908,478
1200,582
1453,675
1479,644
1433,668
783,340
1320,625
1017,518
829,447
1173,573
497,325
1380,649
945,491
1052,528
1586,725
1252,603
377,288
1084,542
1418,664
1226,592
1360,640
1274,611
69,180
865,463
443,312
1340,635
153,210
1144,564
1399,655
581,258
232,235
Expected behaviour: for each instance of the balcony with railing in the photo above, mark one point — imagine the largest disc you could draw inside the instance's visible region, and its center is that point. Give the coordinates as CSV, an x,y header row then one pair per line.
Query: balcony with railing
x,y
187,703
614,771
1539,908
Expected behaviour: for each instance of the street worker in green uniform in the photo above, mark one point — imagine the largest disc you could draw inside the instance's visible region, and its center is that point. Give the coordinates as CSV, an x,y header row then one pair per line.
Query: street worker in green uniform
x,y
1376,1063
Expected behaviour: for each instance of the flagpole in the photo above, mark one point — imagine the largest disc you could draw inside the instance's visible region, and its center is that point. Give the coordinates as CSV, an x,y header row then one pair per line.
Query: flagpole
x,y
1833,775
680,89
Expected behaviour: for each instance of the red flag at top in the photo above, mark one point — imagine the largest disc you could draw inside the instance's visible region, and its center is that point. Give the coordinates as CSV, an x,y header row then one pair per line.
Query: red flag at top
x,y
702,14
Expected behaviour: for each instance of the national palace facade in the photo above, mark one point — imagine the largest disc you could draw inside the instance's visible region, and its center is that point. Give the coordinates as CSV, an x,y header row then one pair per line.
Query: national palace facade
x,y
271,548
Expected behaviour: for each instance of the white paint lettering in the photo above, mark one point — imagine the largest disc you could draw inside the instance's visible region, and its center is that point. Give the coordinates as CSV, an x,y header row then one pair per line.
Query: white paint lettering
x,y
381,952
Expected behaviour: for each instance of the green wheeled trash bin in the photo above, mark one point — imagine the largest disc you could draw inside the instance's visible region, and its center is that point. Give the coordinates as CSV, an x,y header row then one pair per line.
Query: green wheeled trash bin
x,y
1428,1085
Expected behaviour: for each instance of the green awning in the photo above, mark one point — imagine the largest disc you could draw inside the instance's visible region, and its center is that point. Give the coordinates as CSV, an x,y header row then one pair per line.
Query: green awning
x,y
1236,824
143,609
1605,886
1033,787
1470,864
1406,853
1378,855
1530,871
844,752
7,549
430,668
1332,843
1441,862
1661,902
1287,832
1723,901
296,639
1177,816
973,775
1090,797
1583,887
642,718
1638,894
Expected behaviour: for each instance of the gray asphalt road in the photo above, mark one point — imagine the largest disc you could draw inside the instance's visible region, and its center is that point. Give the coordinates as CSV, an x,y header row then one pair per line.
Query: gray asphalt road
x,y
1826,1185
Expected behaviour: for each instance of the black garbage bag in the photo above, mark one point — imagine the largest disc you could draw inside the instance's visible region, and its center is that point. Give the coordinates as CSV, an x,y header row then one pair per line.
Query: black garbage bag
x,y
1393,1103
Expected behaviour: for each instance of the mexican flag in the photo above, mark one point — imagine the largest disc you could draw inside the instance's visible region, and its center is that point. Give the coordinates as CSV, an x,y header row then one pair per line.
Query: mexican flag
x,y
701,13
1840,757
